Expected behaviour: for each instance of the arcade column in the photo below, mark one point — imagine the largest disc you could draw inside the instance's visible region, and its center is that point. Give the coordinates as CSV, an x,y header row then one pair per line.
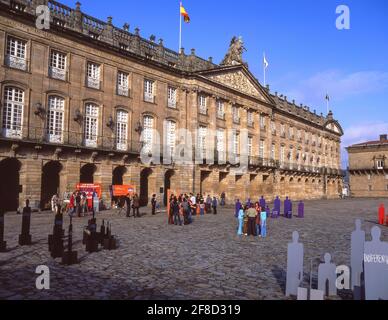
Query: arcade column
x,y
30,181
103,176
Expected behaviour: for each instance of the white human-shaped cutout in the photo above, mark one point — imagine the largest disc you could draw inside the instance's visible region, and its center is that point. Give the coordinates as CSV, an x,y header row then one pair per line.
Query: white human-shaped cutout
x,y
357,255
327,272
294,265
376,267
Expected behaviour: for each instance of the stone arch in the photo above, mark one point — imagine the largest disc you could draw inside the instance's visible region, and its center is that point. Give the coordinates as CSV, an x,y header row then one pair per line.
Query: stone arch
x,y
9,184
50,182
144,186
118,175
87,172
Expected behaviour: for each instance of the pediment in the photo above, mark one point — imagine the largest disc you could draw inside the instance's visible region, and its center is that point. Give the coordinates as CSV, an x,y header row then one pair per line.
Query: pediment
x,y
334,126
239,79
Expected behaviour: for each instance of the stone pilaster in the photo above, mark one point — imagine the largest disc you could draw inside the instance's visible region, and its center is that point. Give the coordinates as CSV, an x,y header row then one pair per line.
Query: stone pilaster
x,y
31,181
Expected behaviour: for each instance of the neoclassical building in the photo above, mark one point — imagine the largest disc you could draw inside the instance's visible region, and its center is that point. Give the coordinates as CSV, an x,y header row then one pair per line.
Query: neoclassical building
x,y
81,99
368,168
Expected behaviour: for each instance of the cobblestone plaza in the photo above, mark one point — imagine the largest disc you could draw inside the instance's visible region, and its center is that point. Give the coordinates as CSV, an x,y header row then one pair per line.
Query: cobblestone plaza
x,y
205,260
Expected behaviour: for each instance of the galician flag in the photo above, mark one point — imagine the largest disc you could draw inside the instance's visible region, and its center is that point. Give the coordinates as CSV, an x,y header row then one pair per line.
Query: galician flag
x,y
184,14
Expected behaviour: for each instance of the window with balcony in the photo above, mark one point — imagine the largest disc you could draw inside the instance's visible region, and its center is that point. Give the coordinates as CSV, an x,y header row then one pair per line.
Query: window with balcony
x,y
202,102
91,125
250,146
149,95
16,54
273,127
261,149
299,135
55,119
221,144
171,97
250,119
273,155
236,115
93,75
380,164
202,133
220,110
282,155
122,84
148,136
171,138
13,107
122,130
57,68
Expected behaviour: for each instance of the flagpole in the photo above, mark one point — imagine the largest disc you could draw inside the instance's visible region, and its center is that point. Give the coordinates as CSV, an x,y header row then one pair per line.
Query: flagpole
x,y
264,67
180,28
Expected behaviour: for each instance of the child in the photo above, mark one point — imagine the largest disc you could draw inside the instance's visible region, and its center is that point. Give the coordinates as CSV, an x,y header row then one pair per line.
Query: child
x,y
202,208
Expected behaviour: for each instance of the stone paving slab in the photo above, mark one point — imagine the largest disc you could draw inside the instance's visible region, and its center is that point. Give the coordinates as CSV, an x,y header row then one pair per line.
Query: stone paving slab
x,y
205,260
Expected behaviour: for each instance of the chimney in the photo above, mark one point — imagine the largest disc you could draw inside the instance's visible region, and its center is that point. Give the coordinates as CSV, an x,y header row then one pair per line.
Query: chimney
x,y
383,137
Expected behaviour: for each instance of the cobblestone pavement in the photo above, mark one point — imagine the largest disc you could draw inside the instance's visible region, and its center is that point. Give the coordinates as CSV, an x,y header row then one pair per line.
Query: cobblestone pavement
x,y
205,260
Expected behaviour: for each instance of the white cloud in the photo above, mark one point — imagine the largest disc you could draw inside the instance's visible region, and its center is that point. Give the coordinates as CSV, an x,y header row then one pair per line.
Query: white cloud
x,y
339,85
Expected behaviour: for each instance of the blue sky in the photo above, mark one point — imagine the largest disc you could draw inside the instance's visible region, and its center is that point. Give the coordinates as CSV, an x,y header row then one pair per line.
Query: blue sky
x,y
307,54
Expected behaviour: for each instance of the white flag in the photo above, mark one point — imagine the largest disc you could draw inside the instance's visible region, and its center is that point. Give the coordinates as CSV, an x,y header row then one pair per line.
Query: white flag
x,y
265,62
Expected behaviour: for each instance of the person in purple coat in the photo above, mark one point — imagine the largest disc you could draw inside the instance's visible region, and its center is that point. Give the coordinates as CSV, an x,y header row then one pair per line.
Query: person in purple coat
x,y
238,207
262,202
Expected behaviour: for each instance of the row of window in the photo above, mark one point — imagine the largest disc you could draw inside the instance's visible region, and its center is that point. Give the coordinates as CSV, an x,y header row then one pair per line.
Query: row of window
x,y
16,57
13,124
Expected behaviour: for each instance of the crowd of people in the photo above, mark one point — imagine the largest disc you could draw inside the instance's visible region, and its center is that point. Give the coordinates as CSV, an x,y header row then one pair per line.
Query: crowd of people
x,y
252,219
183,207
79,204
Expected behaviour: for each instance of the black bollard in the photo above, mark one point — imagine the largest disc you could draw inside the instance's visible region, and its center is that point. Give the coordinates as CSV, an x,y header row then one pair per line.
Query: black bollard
x,y
3,244
25,238
91,236
102,233
56,247
70,257
110,242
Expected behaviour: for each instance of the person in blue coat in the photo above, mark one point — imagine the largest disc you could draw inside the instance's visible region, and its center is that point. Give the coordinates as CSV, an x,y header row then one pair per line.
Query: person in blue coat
x,y
240,222
238,207
263,223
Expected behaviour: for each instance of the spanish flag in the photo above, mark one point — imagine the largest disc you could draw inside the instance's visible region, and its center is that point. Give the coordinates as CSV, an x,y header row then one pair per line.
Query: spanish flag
x,y
184,14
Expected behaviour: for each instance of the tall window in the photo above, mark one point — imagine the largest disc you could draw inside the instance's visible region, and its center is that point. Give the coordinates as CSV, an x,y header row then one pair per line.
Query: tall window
x,y
171,97
220,109
55,119
122,130
16,56
236,114
250,146
148,137
202,132
273,127
171,137
291,132
273,148
261,149
283,130
122,84
93,75
221,144
299,135
290,157
380,164
202,104
282,155
236,143
250,119
262,122
57,69
149,91
13,112
91,125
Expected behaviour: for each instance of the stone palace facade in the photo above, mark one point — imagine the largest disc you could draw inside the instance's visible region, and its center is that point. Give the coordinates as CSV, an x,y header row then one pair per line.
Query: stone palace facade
x,y
368,168
81,99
